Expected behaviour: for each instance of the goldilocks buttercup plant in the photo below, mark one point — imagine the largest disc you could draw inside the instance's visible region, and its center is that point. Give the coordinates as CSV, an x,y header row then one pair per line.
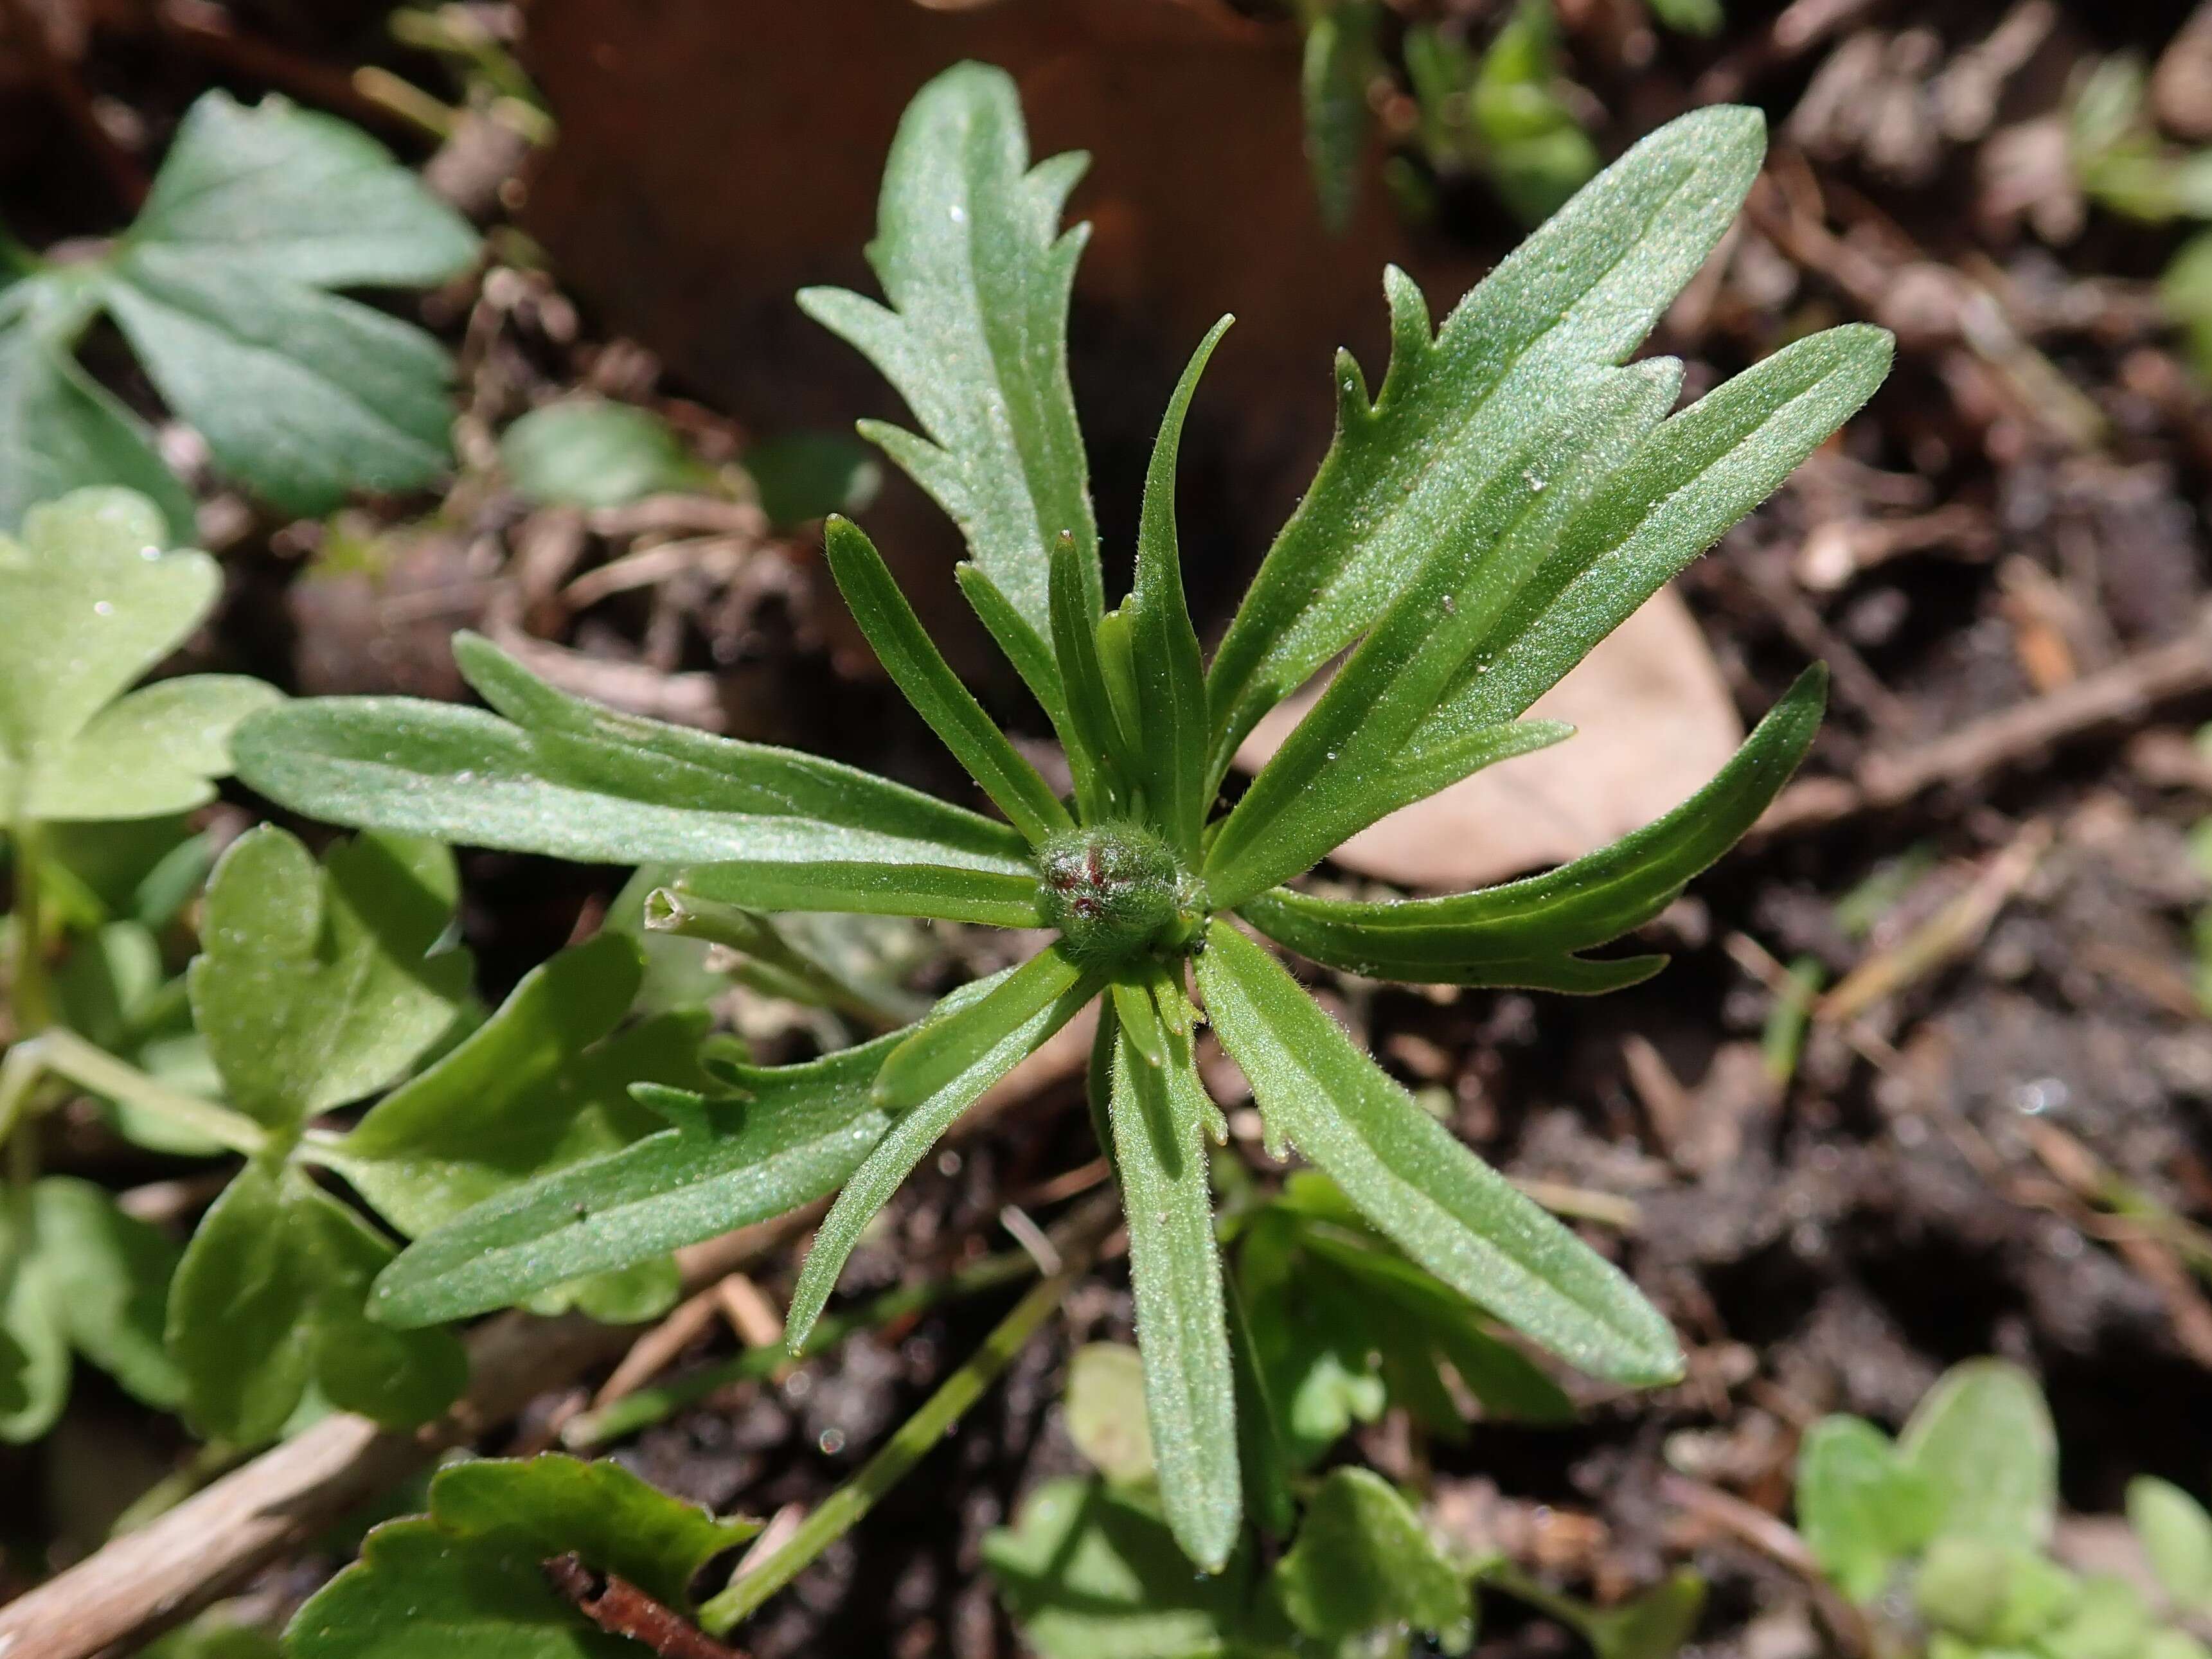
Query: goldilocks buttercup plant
x,y
1510,495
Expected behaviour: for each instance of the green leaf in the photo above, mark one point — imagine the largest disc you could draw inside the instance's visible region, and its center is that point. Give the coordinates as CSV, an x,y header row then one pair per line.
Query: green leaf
x,y
270,1294
1654,1625
1106,1412
1344,766
1538,156
911,658
1405,467
60,430
1088,1572
935,1073
2109,1621
303,394
92,604
1338,61
1169,671
1099,752
1416,1185
792,1134
2167,1644
1692,479
314,987
419,1593
803,477
1363,1562
977,277
588,452
156,751
1527,932
1689,16
1983,1438
1992,1594
599,1511
1861,1508
542,1084
284,191
106,1277
565,778
2177,1536
34,1348
1157,1113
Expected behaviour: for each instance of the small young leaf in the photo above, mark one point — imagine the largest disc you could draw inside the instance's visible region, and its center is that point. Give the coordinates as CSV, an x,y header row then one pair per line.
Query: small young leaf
x,y
1340,59
1363,1562
1527,932
34,1348
804,477
974,334
1158,1114
932,1075
92,603
106,1277
317,987
1169,674
911,658
1438,1202
1983,1438
1995,1594
1861,1507
1106,1412
1537,156
588,452
2177,1536
1088,1572
541,1085
2109,1621
1583,289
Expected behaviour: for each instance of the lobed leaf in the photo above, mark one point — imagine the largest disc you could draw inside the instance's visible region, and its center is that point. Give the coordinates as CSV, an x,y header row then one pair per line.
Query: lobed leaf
x,y
911,658
933,1072
1157,1113
1415,1184
541,1085
1527,932
284,191
1862,1509
1404,468
61,430
154,751
1361,1562
306,395
977,277
316,987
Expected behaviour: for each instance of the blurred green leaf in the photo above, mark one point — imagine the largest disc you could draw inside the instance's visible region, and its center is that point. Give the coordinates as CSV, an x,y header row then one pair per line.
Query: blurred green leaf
x,y
587,452
1361,1562
1983,1441
804,476
2177,1536
1106,1412
1862,1508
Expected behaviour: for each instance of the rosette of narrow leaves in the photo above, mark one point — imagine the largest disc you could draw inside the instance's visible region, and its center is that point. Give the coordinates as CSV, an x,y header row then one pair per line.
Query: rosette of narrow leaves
x,y
222,288
1510,495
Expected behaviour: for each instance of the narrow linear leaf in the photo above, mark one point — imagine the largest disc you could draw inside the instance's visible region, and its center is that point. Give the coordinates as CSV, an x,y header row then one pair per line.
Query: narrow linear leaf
x,y
1416,1184
1027,649
1343,764
1169,671
1099,752
914,664
935,1074
941,892
1157,1113
977,275
1505,935
1583,289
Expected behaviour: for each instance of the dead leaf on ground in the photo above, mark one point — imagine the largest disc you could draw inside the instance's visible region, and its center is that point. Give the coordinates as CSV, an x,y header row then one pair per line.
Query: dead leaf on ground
x,y
1655,721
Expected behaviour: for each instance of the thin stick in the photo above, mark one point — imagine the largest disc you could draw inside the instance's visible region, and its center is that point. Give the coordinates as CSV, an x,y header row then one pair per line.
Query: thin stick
x,y
919,1434
622,1609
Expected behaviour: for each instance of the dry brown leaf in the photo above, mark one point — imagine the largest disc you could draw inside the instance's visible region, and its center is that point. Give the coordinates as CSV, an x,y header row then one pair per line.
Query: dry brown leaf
x,y
1655,722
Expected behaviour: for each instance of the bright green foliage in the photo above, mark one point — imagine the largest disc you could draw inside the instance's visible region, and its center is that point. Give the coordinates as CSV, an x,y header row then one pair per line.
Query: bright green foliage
x,y
1958,1515
1508,496
588,452
222,288
1343,1325
78,1274
467,1579
314,987
1363,1562
1106,1412
92,604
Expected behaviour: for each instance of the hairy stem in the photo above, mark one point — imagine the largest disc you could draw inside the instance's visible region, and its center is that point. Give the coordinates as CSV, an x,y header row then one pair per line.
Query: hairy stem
x,y
789,972
842,1509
